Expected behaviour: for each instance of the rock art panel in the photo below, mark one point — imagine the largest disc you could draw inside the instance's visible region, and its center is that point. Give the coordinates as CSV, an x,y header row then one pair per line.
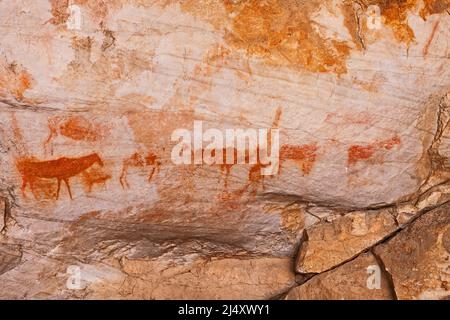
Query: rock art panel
x,y
349,97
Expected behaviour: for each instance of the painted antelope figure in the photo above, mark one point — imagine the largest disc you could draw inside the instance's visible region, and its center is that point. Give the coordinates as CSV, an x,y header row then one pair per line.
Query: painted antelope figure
x,y
61,169
226,167
137,160
255,178
303,155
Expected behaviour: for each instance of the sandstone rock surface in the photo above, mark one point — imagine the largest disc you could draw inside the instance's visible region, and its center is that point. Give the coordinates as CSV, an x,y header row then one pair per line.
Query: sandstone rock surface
x,y
418,259
348,282
93,205
329,244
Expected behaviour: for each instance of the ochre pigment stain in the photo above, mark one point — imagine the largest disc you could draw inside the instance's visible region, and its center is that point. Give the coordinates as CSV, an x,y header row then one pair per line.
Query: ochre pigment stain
x,y
433,7
213,61
395,14
364,153
59,11
281,33
430,39
255,179
76,128
14,80
96,9
349,119
61,169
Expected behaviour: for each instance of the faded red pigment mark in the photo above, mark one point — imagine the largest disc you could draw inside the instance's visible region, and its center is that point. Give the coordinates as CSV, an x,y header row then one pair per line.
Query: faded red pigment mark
x,y
14,80
228,161
227,164
255,179
76,128
357,153
430,39
360,118
61,169
137,160
93,177
213,62
304,155
24,82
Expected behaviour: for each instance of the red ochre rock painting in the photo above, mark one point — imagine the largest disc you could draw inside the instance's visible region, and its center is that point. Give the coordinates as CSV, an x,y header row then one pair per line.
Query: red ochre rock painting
x,y
137,160
367,153
61,169
77,128
303,155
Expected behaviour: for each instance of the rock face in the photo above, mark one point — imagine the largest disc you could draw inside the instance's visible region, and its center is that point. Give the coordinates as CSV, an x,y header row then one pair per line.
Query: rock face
x,y
329,244
203,279
418,259
97,96
352,281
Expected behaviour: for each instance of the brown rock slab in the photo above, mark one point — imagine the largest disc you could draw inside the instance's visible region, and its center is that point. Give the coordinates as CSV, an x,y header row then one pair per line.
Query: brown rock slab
x,y
418,258
329,244
351,281
220,278
10,256
2,213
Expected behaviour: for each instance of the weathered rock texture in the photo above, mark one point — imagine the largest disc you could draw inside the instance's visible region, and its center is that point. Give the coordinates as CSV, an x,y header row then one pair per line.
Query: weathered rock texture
x,y
92,206
418,259
346,282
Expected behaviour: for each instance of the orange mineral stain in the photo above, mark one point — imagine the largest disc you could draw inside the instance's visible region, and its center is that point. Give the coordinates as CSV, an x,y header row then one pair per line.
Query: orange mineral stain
x,y
282,33
61,169
213,61
278,32
433,7
96,9
395,14
14,80
59,11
